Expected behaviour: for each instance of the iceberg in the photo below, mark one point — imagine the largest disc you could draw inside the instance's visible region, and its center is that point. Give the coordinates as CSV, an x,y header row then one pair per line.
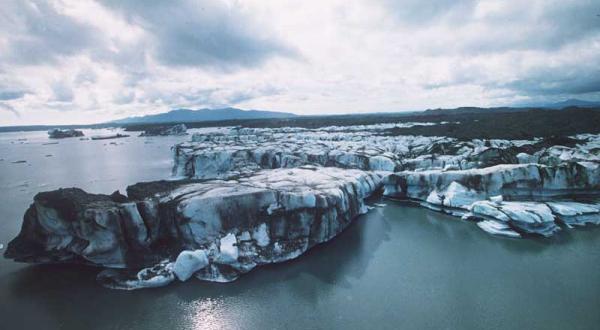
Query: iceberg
x,y
214,229
58,133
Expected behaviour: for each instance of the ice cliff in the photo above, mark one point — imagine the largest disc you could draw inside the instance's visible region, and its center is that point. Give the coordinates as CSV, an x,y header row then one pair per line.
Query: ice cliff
x,y
512,196
245,197
179,129
226,228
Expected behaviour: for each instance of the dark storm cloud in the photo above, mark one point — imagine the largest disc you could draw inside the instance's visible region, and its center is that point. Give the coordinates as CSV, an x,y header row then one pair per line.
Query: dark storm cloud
x,y
548,28
37,33
183,33
544,79
552,81
492,30
518,25
200,33
567,79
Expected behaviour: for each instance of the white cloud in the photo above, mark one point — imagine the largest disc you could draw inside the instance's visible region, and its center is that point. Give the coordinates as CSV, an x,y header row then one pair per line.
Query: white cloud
x,y
84,61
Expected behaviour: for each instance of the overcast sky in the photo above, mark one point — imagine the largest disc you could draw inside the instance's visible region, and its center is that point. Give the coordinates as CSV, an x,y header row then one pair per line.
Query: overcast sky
x,y
85,61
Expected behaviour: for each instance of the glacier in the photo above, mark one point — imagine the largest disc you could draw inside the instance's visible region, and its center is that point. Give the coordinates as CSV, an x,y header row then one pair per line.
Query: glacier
x,y
243,197
219,229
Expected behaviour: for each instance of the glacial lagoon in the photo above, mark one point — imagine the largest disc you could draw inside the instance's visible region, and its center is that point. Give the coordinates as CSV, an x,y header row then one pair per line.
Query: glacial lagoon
x,y
399,266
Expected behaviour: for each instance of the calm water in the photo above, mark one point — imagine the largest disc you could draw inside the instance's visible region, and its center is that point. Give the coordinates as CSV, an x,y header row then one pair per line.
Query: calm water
x,y
397,267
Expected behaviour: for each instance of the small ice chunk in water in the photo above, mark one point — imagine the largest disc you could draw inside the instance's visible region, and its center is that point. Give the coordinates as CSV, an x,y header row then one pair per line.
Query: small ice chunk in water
x,y
189,262
1,246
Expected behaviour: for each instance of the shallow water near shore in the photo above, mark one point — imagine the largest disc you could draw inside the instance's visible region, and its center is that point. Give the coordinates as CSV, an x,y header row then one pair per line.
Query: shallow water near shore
x,y
399,266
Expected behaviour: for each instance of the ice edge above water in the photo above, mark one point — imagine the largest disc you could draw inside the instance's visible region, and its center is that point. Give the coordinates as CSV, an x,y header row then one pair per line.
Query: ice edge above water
x,y
248,197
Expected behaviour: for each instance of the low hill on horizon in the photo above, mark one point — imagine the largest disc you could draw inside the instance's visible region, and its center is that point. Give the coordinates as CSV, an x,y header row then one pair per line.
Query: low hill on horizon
x,y
569,103
188,115
260,118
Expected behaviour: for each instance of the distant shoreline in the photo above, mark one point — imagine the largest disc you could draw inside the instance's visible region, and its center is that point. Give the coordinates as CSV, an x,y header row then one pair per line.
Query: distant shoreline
x,y
469,122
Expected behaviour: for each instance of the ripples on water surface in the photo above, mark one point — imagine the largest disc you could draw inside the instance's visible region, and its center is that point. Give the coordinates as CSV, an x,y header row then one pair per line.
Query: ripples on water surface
x,y
399,266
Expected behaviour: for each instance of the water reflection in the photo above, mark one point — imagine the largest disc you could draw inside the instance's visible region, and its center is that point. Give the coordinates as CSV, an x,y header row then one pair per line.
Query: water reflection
x,y
208,314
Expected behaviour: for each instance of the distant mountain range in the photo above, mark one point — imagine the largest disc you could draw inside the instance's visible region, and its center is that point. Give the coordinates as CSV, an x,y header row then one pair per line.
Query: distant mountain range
x,y
517,108
198,117
563,104
469,110
187,115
